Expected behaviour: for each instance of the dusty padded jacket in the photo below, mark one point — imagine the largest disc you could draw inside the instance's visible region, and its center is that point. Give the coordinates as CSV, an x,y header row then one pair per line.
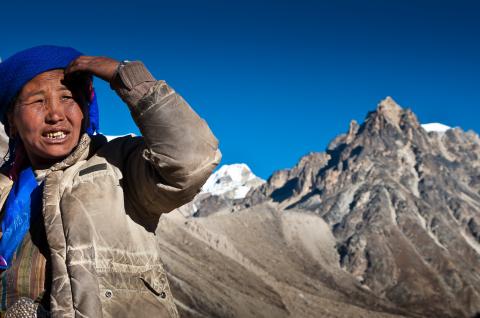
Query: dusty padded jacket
x,y
101,205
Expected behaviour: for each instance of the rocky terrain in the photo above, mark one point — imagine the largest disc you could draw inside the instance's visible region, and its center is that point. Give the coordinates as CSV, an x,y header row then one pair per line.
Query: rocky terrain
x,y
384,223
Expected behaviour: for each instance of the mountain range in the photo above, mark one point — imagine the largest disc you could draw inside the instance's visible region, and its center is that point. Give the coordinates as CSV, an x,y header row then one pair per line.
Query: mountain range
x,y
384,223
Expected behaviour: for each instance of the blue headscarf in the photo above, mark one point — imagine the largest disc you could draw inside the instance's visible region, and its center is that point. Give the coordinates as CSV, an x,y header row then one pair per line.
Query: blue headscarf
x,y
19,69
24,200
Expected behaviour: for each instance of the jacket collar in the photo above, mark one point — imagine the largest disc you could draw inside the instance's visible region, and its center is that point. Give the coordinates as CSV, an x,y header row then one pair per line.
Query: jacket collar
x,y
79,153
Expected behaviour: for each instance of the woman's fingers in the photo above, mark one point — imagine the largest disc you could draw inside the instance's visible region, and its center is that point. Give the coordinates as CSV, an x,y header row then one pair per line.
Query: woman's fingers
x,y
79,64
102,67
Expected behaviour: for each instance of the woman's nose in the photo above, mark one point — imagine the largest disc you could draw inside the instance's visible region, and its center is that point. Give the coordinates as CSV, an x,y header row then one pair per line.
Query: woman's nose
x,y
55,111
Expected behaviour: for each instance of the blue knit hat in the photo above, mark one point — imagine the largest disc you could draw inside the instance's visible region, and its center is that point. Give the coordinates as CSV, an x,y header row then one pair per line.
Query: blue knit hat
x,y
20,68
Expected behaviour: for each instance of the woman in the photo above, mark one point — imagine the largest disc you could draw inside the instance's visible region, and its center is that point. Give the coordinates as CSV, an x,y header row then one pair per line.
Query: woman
x,y
79,213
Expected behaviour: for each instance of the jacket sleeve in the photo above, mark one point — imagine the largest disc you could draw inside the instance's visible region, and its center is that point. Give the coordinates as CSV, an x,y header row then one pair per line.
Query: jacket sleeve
x,y
178,151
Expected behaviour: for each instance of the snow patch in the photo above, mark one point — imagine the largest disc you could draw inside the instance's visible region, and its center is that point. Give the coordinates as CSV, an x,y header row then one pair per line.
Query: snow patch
x,y
436,127
111,137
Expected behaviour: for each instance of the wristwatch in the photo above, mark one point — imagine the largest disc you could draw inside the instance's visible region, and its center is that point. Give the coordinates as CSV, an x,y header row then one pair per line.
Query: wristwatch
x,y
122,64
119,67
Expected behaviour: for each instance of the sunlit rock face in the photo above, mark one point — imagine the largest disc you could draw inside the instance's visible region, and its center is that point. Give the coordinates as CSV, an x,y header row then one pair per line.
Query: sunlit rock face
x,y
384,223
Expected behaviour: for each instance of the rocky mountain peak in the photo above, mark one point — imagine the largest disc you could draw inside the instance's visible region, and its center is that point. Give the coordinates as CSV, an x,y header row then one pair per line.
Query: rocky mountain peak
x,y
232,181
352,129
346,138
401,202
385,220
390,110
390,118
227,185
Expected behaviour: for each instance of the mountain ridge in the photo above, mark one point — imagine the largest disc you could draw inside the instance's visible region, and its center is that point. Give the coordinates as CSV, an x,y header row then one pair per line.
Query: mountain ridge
x,y
394,205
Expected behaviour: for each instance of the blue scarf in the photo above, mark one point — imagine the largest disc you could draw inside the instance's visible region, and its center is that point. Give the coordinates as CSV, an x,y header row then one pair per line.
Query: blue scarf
x,y
24,204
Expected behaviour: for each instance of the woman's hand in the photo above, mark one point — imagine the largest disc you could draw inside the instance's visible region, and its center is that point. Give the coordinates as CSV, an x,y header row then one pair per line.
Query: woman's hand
x,y
100,66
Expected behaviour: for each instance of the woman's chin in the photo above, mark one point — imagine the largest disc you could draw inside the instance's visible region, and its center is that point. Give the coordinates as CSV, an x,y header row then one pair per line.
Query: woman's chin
x,y
51,155
45,151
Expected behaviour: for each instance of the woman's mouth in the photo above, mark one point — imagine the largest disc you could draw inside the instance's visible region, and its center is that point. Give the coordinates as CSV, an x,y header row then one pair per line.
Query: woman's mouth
x,y
55,136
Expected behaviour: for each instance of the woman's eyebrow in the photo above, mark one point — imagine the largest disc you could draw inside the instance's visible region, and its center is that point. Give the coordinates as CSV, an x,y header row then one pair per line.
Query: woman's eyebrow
x,y
34,93
42,92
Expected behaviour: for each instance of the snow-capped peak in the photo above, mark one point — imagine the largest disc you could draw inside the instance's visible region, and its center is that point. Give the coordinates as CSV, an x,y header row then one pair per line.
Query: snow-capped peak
x,y
436,127
233,180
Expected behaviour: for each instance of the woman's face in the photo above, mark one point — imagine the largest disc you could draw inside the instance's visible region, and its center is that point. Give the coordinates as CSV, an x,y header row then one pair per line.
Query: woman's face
x,y
48,117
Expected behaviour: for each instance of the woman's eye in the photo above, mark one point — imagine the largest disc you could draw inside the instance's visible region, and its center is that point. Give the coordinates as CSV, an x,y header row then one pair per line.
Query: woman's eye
x,y
67,97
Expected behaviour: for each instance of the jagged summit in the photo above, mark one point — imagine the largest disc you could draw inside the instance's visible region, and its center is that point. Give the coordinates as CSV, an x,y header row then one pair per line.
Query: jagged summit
x,y
390,109
390,115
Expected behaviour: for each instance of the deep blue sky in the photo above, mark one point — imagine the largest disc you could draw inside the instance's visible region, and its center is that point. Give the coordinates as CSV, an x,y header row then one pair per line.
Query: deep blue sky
x,y
274,79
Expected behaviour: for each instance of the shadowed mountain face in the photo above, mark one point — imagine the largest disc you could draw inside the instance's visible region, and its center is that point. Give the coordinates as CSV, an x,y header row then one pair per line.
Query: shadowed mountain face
x,y
403,206
386,222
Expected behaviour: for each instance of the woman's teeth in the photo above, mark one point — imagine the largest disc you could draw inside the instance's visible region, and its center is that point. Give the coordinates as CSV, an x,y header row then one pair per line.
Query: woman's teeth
x,y
56,135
